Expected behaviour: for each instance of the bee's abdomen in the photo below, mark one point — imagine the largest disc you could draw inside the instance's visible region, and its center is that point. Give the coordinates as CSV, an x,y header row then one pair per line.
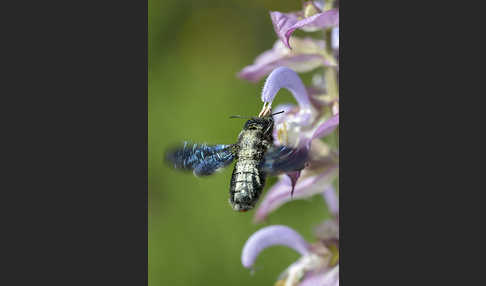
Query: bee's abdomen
x,y
247,183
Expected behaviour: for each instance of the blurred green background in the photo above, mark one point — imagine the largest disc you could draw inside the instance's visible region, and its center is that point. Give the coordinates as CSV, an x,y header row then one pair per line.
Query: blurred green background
x,y
195,50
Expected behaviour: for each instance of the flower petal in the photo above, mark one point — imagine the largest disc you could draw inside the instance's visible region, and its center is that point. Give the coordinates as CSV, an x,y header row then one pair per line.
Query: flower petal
x,y
285,24
284,77
272,235
335,38
294,176
280,136
312,280
332,199
305,56
287,108
325,128
329,278
279,193
326,19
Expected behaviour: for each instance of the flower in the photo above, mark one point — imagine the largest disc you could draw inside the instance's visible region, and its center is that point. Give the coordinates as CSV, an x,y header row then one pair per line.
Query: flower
x,y
301,127
306,187
306,55
285,24
318,264
284,77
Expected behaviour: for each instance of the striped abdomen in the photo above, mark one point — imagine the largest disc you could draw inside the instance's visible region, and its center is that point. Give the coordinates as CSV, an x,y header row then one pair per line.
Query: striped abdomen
x,y
248,178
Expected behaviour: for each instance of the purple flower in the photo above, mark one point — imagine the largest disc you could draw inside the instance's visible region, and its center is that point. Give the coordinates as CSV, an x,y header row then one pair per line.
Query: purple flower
x,y
272,235
296,119
306,55
300,127
317,264
284,77
306,187
317,178
297,128
285,24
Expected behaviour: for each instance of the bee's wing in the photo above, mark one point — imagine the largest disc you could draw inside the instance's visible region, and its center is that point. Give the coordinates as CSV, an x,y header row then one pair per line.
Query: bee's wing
x,y
202,159
284,159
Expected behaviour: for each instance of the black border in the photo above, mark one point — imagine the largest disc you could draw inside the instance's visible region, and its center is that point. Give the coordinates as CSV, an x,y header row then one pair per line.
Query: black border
x,y
404,168
76,161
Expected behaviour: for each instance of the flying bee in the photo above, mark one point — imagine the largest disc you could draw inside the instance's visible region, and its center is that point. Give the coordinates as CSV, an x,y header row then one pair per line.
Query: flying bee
x,y
255,154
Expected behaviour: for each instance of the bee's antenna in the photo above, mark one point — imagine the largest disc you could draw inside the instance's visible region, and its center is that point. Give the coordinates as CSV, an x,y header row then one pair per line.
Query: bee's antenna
x,y
239,116
246,117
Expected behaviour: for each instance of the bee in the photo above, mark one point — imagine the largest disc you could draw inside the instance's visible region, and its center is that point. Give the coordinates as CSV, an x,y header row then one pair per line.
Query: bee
x,y
256,158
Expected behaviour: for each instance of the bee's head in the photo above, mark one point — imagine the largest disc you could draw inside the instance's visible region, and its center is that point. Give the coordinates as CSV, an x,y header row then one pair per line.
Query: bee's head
x,y
260,123
264,123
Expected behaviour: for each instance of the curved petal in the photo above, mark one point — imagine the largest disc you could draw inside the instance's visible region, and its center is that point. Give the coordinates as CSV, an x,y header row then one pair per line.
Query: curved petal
x,y
279,193
304,57
272,235
285,24
284,77
325,128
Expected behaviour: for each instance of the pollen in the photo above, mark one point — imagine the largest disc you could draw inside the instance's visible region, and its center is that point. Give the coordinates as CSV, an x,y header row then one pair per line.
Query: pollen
x,y
282,134
310,10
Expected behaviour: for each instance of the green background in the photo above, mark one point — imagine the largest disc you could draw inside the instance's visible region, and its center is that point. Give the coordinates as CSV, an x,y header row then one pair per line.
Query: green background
x,y
195,50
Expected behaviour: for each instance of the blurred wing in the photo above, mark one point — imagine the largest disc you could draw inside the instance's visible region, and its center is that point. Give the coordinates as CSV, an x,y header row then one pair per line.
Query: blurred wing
x,y
202,159
283,159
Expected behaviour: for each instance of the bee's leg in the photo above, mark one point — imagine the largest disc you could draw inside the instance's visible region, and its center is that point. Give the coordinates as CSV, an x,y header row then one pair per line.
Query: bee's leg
x,y
268,129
